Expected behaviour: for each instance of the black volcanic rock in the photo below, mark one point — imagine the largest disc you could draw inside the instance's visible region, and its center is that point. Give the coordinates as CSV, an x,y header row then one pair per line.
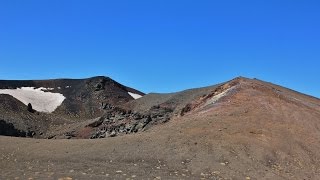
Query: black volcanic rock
x,y
243,129
84,99
30,109
8,129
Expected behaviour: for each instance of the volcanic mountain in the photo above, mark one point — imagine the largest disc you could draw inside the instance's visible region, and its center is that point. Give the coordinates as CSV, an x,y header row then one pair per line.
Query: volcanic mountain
x,y
57,102
240,129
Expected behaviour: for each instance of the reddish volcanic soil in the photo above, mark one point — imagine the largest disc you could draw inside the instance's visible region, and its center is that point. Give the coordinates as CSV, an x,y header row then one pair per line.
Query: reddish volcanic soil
x,y
242,129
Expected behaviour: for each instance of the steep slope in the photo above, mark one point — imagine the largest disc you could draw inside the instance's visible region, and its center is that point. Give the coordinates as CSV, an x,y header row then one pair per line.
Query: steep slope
x,y
134,116
174,101
255,128
241,129
153,109
59,101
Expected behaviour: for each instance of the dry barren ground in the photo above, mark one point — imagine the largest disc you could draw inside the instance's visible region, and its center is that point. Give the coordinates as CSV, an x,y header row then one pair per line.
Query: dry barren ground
x,y
257,131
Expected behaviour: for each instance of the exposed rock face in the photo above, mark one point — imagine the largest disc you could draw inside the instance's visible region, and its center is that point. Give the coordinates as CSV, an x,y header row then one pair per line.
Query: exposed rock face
x,y
100,107
243,129
84,99
212,97
8,129
119,121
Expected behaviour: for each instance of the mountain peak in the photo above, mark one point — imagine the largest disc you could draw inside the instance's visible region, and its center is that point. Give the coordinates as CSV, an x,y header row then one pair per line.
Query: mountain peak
x,y
238,121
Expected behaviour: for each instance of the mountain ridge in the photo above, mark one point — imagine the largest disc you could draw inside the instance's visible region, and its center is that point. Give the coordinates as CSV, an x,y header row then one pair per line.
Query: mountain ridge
x,y
240,129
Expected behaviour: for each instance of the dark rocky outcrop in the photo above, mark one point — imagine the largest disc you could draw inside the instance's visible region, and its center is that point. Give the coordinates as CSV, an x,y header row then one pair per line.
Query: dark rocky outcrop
x,y
85,99
119,121
8,129
30,109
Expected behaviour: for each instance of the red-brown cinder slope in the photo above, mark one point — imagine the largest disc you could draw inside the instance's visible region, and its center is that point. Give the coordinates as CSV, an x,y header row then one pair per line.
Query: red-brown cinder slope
x,y
243,129
256,127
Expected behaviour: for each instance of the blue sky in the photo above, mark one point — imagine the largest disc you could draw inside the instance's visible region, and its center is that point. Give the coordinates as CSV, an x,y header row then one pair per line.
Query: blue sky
x,y
163,45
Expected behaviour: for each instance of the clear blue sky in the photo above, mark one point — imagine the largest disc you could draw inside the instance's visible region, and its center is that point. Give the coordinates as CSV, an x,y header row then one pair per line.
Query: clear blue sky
x,y
163,45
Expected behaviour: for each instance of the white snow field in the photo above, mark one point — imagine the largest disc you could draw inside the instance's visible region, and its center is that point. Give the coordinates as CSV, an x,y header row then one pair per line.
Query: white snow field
x,y
135,96
41,101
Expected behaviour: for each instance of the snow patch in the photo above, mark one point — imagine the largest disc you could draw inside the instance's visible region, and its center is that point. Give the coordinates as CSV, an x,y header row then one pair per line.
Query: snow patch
x,y
41,101
45,89
135,96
